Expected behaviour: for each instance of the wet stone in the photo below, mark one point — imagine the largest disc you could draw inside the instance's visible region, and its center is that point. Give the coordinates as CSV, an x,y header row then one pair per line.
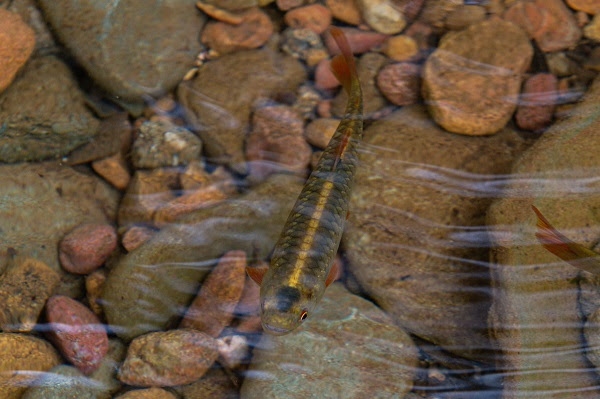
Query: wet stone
x,y
549,22
401,48
160,144
537,103
382,15
592,30
347,340
400,83
168,29
17,41
22,357
24,289
114,170
168,358
315,17
86,248
320,131
587,6
150,393
252,32
276,142
77,332
469,80
65,382
247,310
324,77
220,112
94,284
213,308
214,384
345,10
43,113
136,236
465,15
285,5
303,44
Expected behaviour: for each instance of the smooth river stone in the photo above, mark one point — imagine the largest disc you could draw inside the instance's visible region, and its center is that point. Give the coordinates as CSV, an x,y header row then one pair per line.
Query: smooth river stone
x,y
149,288
535,317
130,48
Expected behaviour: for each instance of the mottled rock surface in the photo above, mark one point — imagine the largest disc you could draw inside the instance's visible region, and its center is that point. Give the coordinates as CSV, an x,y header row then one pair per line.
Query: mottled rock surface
x,y
535,313
220,111
43,113
73,197
16,44
86,248
471,81
214,384
348,348
415,239
148,60
24,289
168,358
148,287
65,382
22,357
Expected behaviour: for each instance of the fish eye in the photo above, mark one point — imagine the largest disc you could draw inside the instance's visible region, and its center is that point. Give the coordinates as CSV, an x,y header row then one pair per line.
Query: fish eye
x,y
303,315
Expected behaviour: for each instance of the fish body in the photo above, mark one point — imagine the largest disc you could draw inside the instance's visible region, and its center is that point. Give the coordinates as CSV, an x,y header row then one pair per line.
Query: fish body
x,y
571,252
301,265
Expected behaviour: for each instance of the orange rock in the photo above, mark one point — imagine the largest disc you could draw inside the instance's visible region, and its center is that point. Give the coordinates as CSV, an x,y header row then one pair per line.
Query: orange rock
x,y
114,170
588,6
314,17
17,41
136,236
220,14
285,5
188,202
345,10
212,309
360,41
94,284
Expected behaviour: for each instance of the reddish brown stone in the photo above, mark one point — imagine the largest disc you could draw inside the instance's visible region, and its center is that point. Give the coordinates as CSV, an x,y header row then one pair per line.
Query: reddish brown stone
x,y
168,358
253,32
324,77
114,170
549,22
277,140
94,284
77,333
345,10
314,17
400,83
212,309
17,41
87,247
150,393
136,236
538,100
187,202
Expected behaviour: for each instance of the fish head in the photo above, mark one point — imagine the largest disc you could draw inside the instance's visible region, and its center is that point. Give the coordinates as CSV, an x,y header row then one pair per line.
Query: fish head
x,y
285,309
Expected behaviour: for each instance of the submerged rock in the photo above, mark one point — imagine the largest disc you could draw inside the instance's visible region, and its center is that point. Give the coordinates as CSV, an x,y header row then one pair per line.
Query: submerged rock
x,y
220,111
535,313
138,49
348,348
415,238
148,288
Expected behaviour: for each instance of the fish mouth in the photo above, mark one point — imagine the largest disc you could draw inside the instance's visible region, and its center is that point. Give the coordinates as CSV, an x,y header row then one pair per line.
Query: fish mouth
x,y
274,330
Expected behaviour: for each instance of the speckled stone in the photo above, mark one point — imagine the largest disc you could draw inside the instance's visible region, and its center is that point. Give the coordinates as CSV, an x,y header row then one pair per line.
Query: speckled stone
x,y
382,15
86,248
63,382
214,384
347,348
150,393
315,17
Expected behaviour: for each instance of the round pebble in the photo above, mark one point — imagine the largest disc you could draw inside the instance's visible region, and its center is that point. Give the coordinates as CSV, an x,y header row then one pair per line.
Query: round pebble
x,y
401,48
400,83
150,393
538,100
77,333
345,10
314,17
360,41
592,30
87,247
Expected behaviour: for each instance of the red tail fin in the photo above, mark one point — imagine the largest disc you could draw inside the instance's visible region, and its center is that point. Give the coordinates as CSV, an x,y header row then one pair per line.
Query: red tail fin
x,y
343,65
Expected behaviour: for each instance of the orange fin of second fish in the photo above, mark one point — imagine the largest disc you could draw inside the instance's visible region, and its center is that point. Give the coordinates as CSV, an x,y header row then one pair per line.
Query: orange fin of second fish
x,y
342,65
569,251
334,273
257,273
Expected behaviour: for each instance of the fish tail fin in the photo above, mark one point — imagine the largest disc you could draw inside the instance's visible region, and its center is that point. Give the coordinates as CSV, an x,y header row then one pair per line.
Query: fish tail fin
x,y
343,65
560,245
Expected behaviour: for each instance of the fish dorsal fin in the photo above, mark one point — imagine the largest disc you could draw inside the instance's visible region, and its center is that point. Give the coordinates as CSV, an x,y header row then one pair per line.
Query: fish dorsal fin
x,y
342,65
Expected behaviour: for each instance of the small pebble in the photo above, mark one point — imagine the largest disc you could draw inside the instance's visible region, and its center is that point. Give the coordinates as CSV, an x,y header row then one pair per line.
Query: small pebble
x,y
320,131
254,31
345,10
303,44
94,284
314,17
188,201
233,350
592,30
382,16
213,308
465,15
168,358
215,384
87,247
17,41
538,100
65,381
220,14
114,170
588,6
400,83
401,48
276,141
77,333
24,289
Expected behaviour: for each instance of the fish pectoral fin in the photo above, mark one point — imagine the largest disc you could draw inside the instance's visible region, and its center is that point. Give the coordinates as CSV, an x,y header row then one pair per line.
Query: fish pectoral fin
x,y
334,273
575,254
257,273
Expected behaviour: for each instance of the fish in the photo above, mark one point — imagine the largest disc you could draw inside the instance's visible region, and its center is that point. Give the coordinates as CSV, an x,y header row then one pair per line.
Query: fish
x,y
571,252
302,262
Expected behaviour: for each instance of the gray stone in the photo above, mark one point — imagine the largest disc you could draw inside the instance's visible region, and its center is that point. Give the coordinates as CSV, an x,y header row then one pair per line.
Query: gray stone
x,y
43,114
220,111
149,287
535,313
130,48
347,348
40,203
415,237
63,382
